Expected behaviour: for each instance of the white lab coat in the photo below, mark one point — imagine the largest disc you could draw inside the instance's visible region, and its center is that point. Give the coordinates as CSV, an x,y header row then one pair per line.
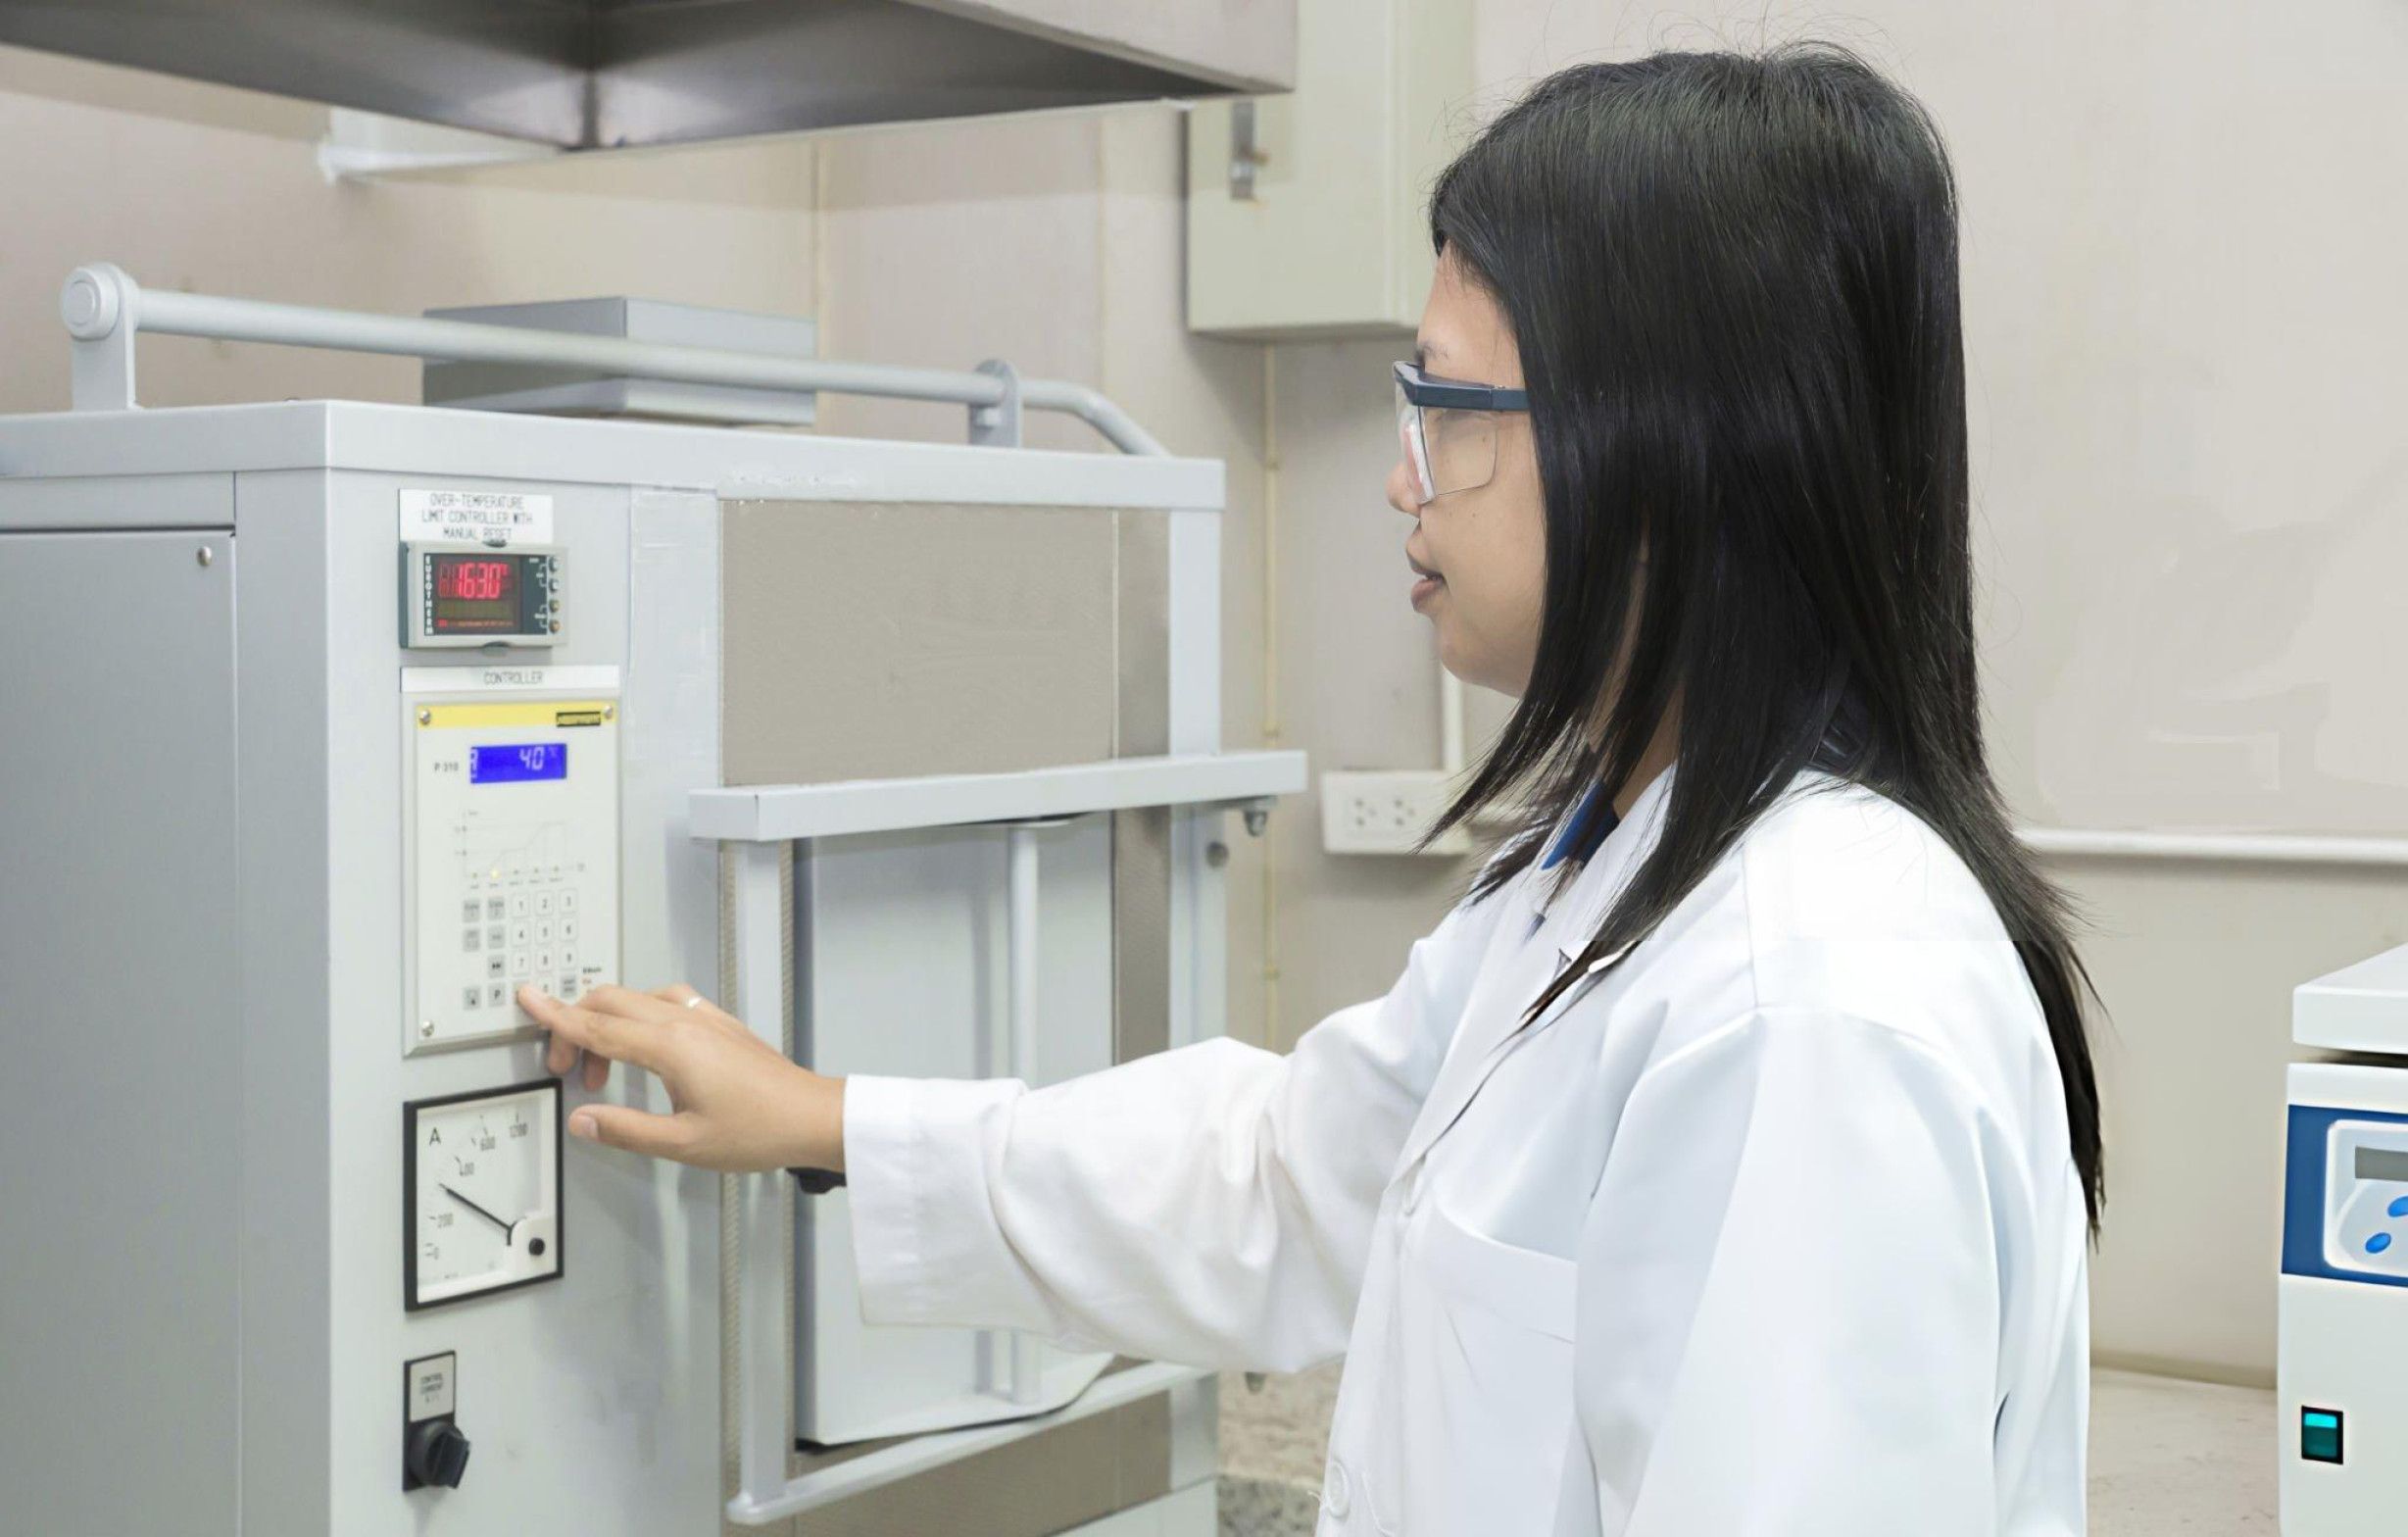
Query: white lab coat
x,y
1770,1229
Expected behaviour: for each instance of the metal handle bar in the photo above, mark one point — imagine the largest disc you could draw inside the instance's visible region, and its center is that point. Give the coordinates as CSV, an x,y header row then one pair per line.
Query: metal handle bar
x,y
104,308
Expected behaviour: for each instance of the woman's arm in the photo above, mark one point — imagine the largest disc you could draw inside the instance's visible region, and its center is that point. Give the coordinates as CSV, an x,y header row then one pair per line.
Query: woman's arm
x,y
1211,1205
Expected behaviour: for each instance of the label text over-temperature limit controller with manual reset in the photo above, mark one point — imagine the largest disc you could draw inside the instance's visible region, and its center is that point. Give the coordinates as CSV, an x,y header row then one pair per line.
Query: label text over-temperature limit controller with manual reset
x,y
513,858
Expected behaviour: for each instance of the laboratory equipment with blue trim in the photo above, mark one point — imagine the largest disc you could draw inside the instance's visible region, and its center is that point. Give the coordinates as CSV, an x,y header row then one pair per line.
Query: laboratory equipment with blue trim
x,y
2342,1394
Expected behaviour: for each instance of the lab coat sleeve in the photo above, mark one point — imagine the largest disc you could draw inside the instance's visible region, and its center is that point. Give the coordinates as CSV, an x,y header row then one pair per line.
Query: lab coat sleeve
x,y
1787,1306
1210,1205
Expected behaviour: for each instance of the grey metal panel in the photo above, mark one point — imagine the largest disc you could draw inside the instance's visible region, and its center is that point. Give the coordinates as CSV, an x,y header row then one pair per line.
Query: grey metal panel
x,y
192,501
874,641
121,1003
603,73
287,1189
422,440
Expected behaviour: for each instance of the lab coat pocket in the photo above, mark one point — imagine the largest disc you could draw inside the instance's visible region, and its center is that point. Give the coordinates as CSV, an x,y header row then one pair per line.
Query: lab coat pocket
x,y
1489,1334
1517,1286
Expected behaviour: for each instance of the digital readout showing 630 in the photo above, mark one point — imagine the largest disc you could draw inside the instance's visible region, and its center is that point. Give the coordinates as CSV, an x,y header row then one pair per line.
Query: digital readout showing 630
x,y
517,764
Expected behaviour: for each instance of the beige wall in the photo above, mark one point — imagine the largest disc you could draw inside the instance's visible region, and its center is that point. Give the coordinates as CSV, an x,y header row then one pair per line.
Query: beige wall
x,y
2184,323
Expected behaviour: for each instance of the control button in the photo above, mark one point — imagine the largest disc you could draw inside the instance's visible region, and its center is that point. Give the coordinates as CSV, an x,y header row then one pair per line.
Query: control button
x,y
569,958
568,988
471,939
2320,1434
438,1454
495,994
569,902
518,905
470,912
2398,1208
543,931
471,997
520,936
2379,1243
494,965
495,937
493,910
543,903
517,962
543,960
568,928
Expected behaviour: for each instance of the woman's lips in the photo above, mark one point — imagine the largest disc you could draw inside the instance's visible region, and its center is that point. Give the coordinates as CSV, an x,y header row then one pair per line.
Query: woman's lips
x,y
1428,583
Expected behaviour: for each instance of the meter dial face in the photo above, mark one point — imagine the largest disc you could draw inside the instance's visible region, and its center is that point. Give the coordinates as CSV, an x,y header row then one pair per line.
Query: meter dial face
x,y
481,1192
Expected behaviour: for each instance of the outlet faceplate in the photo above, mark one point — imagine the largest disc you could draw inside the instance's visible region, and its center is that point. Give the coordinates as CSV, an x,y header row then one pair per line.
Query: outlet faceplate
x,y
1384,811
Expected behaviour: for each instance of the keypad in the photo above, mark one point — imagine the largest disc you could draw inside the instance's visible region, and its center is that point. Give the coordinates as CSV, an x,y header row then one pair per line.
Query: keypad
x,y
514,936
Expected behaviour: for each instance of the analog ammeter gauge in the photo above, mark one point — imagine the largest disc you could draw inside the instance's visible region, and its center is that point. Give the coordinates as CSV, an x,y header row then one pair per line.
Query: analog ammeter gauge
x,y
481,1192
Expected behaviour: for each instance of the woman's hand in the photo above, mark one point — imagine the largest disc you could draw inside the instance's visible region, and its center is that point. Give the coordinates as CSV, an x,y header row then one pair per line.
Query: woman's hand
x,y
739,1104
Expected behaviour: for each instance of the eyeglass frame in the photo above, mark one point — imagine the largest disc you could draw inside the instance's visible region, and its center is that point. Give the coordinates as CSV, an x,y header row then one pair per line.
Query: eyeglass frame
x,y
1422,392
1420,389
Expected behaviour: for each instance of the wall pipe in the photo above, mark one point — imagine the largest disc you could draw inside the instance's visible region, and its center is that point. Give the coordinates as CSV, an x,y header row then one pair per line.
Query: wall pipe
x,y
2229,848
104,308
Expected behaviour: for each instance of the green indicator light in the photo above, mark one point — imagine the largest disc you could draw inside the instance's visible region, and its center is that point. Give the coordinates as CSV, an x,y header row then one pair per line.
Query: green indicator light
x,y
2319,1435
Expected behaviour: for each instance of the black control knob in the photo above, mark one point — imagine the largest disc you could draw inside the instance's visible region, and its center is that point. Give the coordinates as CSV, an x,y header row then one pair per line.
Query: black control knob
x,y
438,1454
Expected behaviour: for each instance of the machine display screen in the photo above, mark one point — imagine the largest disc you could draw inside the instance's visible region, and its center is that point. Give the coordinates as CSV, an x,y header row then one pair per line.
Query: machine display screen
x,y
2382,1163
517,764
476,594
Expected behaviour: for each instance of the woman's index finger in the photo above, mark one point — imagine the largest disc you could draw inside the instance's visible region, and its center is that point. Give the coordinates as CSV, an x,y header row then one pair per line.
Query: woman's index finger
x,y
596,1031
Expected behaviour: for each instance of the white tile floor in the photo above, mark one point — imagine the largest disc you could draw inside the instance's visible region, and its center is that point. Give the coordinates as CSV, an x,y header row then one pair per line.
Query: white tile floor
x,y
2168,1457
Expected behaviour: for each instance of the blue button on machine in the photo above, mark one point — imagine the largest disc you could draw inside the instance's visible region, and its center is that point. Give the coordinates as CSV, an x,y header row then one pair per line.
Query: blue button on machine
x,y
2379,1243
2398,1208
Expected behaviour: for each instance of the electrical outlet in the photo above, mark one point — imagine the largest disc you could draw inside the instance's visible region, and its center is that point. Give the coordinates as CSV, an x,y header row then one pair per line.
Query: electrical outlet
x,y
1384,811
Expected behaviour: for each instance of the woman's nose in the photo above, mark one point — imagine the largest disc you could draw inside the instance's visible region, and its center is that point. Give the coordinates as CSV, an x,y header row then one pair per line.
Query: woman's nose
x,y
1401,490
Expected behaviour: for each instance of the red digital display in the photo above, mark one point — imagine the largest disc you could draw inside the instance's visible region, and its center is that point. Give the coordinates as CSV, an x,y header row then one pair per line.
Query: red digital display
x,y
474,593
475,582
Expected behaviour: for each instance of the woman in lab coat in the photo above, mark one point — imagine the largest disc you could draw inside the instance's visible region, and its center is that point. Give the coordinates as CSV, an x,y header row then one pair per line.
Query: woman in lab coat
x,y
1725,1163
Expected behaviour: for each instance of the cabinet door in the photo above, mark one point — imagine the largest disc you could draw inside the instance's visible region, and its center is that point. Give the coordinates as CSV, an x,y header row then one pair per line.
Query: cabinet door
x,y
1329,235
120,1102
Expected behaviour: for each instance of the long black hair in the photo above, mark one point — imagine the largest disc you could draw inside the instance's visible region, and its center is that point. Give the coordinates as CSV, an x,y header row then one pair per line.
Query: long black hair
x,y
1733,282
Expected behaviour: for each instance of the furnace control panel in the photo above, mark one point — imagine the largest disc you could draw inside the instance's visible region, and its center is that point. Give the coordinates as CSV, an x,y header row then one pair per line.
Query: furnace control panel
x,y
511,860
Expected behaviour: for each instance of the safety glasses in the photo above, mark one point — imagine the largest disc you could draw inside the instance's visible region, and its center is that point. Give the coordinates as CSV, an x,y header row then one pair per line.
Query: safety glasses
x,y
1449,430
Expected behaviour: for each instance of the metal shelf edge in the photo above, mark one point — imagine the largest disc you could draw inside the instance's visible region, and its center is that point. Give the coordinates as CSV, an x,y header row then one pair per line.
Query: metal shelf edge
x,y
920,1453
779,814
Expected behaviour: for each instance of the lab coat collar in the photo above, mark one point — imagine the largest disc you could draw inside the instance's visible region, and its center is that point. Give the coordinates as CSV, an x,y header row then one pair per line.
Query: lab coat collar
x,y
1494,1026
1571,914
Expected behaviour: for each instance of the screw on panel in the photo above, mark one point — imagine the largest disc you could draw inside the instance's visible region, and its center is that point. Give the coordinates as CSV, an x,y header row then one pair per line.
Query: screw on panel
x,y
426,1027
426,717
1257,819
609,713
205,555
1217,853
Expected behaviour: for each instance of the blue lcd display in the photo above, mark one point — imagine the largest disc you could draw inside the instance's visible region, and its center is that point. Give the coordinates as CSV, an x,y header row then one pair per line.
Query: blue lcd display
x,y
507,764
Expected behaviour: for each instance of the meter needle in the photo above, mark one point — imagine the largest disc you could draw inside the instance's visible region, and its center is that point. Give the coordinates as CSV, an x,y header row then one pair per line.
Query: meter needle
x,y
509,1229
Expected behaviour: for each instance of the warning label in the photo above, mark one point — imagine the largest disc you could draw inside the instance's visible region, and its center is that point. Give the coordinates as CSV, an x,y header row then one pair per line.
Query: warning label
x,y
487,518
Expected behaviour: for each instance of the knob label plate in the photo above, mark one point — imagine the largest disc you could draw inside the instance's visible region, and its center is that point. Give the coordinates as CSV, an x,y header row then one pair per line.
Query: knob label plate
x,y
429,1390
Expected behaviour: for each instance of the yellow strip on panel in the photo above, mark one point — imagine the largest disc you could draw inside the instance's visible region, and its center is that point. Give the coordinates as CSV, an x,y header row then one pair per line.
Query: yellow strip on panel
x,y
535,712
